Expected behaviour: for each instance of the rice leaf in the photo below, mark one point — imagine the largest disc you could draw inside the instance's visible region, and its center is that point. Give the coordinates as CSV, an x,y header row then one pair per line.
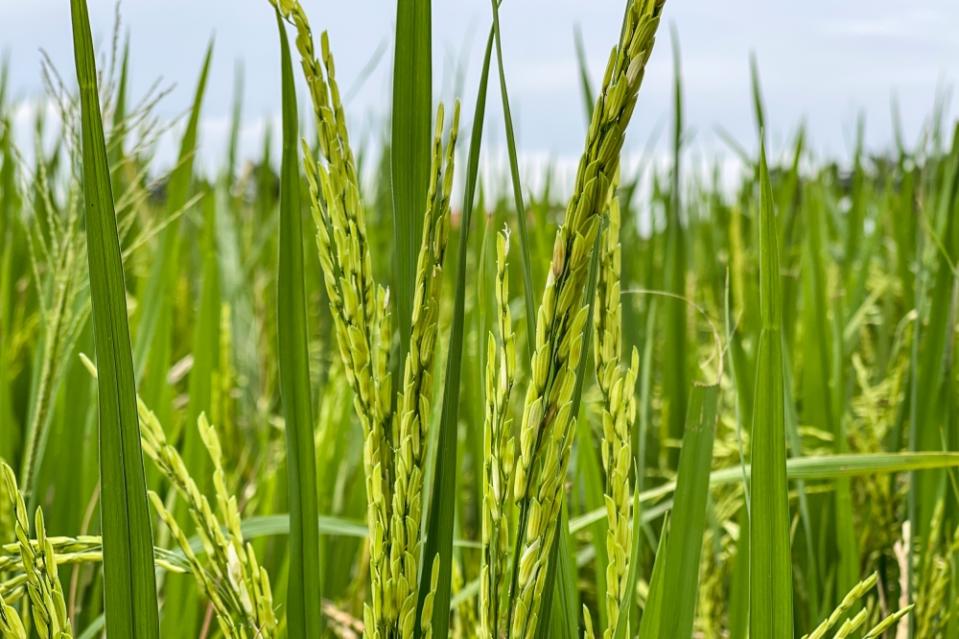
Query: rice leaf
x,y
304,592
681,583
410,150
153,346
771,594
824,468
517,187
129,582
439,529
118,132
651,623
235,121
278,525
675,338
181,599
936,340
152,341
759,111
563,621
811,468
585,84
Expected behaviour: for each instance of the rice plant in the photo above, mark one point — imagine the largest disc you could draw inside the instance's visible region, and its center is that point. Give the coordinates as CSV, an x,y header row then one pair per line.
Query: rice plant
x,y
317,396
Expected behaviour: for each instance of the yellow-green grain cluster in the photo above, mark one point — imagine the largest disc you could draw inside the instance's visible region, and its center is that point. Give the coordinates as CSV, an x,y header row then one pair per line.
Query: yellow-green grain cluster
x,y
411,422
546,432
848,602
617,384
498,452
394,442
10,624
854,623
360,308
39,566
227,573
933,606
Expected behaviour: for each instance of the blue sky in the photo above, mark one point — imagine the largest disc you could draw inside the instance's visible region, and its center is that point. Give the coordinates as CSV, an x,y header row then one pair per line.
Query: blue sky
x,y
820,61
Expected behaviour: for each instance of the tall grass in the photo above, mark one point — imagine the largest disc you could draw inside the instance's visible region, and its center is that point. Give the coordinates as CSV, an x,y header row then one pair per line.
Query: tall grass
x,y
379,432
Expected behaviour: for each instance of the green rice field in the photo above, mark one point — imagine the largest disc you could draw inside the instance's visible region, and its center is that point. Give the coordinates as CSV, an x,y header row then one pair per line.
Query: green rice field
x,y
387,391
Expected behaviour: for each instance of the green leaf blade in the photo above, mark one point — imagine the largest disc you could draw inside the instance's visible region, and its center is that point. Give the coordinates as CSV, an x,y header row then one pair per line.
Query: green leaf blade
x,y
410,149
304,590
681,587
129,581
771,594
440,523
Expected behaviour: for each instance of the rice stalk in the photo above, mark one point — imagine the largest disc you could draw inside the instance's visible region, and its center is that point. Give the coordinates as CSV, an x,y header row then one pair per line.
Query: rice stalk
x,y
891,620
498,454
933,608
394,442
854,623
79,550
411,420
360,307
60,327
546,430
616,382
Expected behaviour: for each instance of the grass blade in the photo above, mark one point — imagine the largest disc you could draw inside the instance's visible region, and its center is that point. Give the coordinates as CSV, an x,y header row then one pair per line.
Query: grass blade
x,y
517,187
118,132
152,346
235,121
585,84
675,330
811,468
759,111
936,340
564,619
181,602
652,621
410,149
304,589
681,584
771,596
129,586
439,529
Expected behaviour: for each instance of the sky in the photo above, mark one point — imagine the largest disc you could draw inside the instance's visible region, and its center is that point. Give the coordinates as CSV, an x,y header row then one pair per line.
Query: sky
x,y
821,62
